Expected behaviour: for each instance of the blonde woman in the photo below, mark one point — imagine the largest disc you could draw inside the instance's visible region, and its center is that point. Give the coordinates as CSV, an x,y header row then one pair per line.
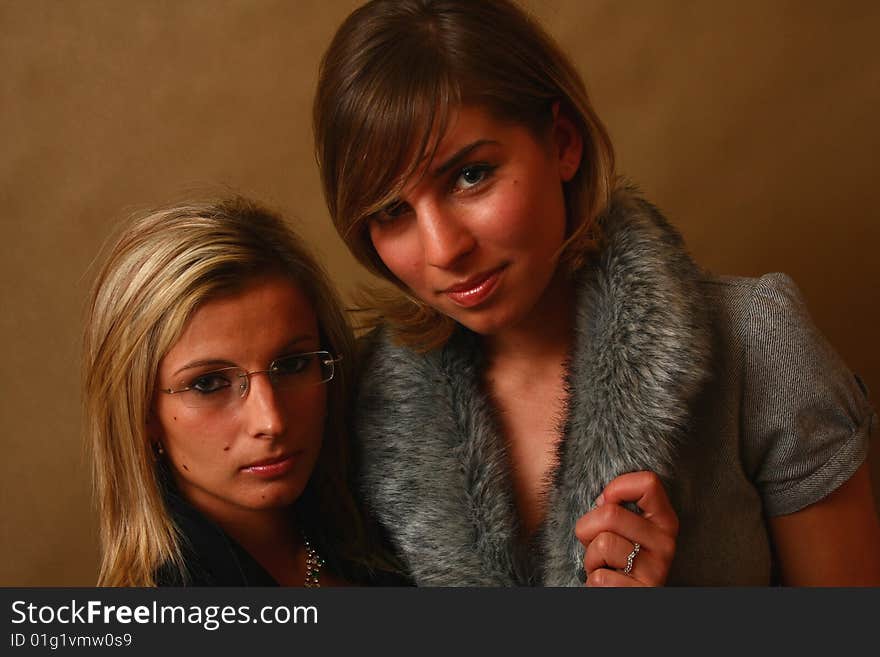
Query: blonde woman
x,y
556,394
217,363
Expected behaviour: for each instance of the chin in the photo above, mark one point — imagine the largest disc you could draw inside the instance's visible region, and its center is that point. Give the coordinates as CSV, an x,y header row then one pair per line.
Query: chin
x,y
276,496
490,322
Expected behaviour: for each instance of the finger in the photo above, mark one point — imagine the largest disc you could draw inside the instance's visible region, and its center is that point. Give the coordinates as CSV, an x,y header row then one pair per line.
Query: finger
x,y
605,577
607,550
623,522
612,551
644,489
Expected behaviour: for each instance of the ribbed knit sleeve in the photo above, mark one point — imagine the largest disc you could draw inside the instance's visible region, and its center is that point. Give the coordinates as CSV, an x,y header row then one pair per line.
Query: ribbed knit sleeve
x,y
806,417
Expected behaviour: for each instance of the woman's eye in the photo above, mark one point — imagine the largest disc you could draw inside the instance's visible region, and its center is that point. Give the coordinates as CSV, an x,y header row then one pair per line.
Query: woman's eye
x,y
292,365
210,383
472,175
391,212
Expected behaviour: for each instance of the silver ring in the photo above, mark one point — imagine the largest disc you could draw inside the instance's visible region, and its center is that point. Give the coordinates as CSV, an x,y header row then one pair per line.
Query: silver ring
x,y
631,557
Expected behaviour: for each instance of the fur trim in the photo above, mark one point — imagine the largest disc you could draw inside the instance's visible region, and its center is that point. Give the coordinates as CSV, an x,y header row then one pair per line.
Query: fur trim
x,y
435,468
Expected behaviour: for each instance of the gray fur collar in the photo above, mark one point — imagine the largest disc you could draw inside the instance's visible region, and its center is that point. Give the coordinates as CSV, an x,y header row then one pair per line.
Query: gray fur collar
x,y
434,467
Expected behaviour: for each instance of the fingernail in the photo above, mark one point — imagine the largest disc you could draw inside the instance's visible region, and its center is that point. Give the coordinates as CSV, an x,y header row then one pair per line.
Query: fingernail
x,y
599,501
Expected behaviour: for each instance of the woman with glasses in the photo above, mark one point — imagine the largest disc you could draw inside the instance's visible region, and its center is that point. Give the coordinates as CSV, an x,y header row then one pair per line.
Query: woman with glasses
x,y
555,393
217,363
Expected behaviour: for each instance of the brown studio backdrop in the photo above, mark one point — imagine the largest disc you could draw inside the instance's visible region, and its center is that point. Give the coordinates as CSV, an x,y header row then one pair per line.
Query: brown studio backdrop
x,y
751,124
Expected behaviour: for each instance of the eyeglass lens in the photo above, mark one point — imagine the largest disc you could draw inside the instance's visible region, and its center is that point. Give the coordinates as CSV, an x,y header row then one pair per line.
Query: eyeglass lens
x,y
230,384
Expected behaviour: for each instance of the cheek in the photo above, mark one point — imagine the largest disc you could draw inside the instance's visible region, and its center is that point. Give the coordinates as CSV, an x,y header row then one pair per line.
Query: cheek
x,y
192,442
401,252
311,412
531,214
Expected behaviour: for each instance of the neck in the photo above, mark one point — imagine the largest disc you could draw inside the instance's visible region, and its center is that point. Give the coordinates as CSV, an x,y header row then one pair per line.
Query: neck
x,y
258,530
272,539
544,336
270,536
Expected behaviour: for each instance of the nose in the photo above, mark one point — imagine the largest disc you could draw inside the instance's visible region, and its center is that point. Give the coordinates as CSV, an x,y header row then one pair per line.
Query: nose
x,y
445,234
263,408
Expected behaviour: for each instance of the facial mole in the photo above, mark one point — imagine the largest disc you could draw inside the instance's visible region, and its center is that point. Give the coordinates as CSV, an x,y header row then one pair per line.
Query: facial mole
x,y
175,418
226,449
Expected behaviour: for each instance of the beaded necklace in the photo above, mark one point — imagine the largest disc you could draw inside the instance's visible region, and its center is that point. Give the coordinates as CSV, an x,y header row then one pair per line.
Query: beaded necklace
x,y
314,563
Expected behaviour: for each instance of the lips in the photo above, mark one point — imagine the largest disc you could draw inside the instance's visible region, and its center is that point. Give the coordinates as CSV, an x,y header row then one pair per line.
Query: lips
x,y
474,290
272,467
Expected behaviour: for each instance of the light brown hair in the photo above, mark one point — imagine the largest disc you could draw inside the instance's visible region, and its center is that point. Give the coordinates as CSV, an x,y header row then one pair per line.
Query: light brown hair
x,y
164,264
391,77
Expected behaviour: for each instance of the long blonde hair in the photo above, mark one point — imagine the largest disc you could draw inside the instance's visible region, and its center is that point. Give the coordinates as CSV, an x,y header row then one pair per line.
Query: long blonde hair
x,y
165,263
389,81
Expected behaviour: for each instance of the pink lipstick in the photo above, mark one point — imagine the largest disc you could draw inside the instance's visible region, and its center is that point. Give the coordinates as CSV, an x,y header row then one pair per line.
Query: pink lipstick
x,y
474,290
270,468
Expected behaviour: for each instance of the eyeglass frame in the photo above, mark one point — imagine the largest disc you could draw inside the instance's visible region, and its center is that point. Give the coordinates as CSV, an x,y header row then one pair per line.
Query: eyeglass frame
x,y
245,385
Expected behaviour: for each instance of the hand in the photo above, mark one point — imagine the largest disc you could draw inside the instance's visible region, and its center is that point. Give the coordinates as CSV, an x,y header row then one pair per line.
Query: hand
x,y
609,533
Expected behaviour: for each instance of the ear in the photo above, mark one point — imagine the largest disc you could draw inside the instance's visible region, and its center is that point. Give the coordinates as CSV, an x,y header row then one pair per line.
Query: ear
x,y
568,143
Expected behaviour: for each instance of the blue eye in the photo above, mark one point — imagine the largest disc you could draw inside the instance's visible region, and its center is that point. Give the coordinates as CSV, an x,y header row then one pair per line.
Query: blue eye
x,y
472,175
210,383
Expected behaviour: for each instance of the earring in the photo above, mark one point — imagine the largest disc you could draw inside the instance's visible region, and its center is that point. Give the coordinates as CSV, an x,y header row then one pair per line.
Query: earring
x,y
157,447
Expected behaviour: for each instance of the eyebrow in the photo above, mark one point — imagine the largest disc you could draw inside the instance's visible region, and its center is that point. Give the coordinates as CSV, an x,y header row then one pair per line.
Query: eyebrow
x,y
461,154
221,363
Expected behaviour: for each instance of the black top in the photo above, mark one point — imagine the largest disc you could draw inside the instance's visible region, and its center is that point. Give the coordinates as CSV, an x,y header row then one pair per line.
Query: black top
x,y
213,558
210,555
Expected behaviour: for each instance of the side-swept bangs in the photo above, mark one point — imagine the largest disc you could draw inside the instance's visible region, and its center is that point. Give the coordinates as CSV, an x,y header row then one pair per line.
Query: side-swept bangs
x,y
389,83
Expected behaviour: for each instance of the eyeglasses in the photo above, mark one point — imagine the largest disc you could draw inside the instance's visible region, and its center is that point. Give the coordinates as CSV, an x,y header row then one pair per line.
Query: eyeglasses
x,y
228,385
